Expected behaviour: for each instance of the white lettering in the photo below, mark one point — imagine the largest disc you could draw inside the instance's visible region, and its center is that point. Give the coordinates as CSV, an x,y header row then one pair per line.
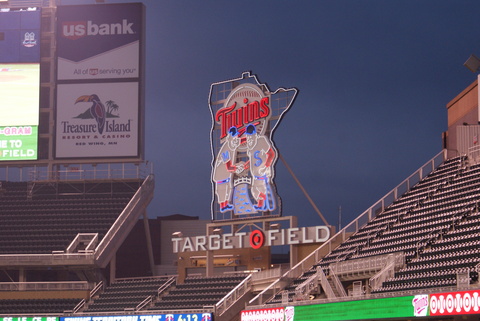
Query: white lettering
x,y
304,236
271,236
292,238
226,240
214,242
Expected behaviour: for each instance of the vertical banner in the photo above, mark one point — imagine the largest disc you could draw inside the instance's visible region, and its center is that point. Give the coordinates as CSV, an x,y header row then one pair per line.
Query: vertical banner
x,y
99,110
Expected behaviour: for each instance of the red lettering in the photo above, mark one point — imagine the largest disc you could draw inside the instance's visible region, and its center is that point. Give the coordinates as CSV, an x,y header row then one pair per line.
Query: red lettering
x,y
229,116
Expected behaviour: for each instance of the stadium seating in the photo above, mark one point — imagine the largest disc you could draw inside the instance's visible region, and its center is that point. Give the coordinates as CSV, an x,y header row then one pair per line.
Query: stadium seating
x,y
33,306
125,294
197,292
434,224
46,217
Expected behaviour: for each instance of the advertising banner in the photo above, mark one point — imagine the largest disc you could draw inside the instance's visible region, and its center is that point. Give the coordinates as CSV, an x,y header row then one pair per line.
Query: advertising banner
x,y
155,317
397,307
17,318
97,120
272,314
455,303
99,41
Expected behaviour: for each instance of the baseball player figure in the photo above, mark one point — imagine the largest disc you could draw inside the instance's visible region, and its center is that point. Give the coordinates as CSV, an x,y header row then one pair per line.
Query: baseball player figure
x,y
225,168
260,158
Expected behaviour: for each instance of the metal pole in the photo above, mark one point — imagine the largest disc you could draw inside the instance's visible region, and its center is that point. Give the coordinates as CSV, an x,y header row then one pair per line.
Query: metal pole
x,y
303,190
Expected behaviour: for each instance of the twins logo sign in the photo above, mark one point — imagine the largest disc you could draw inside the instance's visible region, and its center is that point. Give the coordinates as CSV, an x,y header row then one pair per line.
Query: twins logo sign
x,y
244,153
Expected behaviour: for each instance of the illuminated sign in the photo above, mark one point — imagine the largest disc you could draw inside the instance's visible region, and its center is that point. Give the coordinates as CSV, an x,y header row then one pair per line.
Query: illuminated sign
x,y
245,113
272,314
256,239
155,317
18,142
19,84
455,303
17,318
397,307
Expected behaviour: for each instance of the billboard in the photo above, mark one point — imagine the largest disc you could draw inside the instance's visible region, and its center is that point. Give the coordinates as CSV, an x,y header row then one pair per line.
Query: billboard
x,y
19,84
99,41
84,132
384,308
245,114
152,317
21,318
99,104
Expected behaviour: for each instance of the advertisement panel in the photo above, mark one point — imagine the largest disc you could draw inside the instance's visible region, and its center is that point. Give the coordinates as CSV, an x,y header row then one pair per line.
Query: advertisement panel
x,y
97,120
19,84
154,317
17,318
99,41
455,303
99,110
272,314
398,307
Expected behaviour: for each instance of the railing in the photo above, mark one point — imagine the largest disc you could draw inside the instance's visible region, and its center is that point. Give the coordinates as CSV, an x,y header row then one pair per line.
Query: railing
x,y
144,303
337,282
353,227
373,263
166,285
267,274
233,295
138,170
325,284
125,219
45,286
54,259
387,272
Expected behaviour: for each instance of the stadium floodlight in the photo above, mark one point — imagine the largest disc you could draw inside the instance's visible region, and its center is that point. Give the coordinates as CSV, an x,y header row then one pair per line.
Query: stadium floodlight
x,y
472,63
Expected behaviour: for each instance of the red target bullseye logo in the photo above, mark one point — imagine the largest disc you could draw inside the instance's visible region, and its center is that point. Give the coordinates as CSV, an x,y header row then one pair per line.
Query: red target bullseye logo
x,y
257,238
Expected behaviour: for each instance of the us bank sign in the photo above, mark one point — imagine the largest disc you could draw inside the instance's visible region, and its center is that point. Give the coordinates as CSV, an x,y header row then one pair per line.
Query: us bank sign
x,y
255,239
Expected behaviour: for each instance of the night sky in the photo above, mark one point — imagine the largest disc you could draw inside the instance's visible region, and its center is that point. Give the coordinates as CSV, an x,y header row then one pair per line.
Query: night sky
x,y
374,78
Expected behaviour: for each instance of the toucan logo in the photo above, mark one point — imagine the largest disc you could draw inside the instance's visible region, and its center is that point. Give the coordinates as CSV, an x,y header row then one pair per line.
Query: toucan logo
x,y
77,29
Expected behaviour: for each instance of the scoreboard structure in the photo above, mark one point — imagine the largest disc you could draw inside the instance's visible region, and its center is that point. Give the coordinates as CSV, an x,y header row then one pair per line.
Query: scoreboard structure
x,y
19,84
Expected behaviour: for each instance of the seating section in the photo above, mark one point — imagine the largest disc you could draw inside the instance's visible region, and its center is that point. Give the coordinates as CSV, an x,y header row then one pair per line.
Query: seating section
x,y
36,306
198,292
38,218
435,225
125,294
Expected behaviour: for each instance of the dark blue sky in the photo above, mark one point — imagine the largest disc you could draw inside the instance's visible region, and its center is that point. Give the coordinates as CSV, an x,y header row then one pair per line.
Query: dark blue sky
x,y
374,78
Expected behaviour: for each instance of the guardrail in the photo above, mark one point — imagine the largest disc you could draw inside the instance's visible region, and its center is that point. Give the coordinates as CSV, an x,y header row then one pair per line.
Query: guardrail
x,y
54,259
125,220
351,228
233,295
45,286
42,172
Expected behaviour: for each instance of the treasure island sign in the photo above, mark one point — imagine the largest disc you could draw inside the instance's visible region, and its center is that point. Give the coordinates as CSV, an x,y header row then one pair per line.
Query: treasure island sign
x,y
245,114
